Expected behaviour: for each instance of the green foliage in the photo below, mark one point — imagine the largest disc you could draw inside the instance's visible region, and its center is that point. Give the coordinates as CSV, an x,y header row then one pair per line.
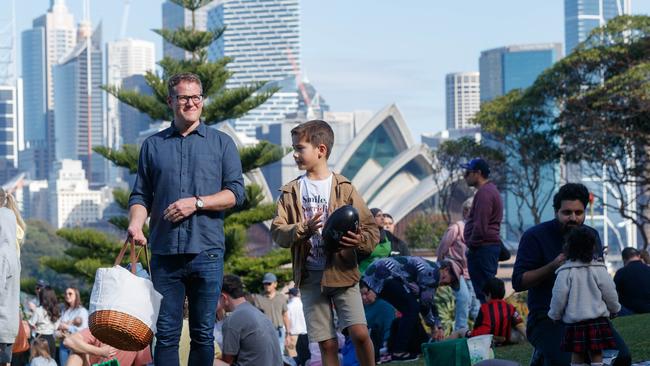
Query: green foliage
x,y
601,95
41,241
260,155
127,157
425,231
252,269
519,124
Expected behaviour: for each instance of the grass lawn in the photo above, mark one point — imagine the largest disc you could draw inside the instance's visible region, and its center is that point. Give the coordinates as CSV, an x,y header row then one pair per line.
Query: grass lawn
x,y
635,330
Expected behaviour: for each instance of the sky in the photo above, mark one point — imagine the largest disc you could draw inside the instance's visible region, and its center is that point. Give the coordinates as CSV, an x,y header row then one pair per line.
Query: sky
x,y
367,54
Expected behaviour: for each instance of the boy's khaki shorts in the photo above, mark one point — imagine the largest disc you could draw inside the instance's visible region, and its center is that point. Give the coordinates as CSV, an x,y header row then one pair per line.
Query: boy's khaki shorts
x,y
319,314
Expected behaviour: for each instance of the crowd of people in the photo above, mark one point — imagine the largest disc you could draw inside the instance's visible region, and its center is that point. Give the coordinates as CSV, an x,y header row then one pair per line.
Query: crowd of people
x,y
364,300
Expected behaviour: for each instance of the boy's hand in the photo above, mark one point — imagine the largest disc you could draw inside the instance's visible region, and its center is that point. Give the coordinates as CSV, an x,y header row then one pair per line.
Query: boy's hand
x,y
351,239
315,223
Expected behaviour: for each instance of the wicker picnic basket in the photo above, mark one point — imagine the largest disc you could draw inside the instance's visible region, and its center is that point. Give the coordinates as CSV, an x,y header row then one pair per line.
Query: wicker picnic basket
x,y
118,329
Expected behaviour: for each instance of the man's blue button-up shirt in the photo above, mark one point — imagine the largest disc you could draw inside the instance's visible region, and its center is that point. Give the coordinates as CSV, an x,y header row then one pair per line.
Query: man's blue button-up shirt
x,y
172,167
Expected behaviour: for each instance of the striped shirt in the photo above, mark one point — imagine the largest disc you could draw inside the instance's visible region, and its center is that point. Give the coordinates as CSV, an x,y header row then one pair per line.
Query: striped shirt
x,y
496,317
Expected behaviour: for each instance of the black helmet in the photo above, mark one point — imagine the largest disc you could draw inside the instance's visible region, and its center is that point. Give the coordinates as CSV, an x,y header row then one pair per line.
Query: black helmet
x,y
344,219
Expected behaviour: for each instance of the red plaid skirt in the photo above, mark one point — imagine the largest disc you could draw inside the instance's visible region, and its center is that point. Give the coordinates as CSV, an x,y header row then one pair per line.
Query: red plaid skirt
x,y
587,336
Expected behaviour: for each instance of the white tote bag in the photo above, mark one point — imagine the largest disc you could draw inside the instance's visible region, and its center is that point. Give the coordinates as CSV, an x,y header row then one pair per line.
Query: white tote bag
x,y
119,289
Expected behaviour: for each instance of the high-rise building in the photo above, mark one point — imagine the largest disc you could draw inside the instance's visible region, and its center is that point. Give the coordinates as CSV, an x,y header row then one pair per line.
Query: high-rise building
x,y
125,58
79,105
514,67
583,16
502,70
174,17
263,38
52,36
72,203
462,91
9,117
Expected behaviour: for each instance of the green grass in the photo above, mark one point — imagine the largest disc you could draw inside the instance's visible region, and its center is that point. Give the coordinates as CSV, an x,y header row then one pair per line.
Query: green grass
x,y
633,329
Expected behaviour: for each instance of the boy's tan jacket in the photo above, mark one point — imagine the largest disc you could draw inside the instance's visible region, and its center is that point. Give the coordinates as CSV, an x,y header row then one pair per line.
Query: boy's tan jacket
x,y
289,230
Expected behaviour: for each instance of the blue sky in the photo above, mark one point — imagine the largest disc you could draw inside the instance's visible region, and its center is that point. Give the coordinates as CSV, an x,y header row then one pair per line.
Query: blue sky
x,y
366,54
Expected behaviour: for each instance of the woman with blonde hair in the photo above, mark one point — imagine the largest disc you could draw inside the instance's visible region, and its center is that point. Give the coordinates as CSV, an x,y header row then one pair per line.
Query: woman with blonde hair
x,y
7,200
9,278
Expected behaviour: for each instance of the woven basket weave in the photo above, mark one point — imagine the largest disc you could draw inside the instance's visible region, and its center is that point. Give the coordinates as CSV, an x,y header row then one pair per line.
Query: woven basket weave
x,y
120,330
117,329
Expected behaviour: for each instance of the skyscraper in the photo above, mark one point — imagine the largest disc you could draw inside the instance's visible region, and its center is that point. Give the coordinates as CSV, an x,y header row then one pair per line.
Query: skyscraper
x,y
502,70
8,131
514,67
462,91
52,36
263,38
79,106
124,58
583,16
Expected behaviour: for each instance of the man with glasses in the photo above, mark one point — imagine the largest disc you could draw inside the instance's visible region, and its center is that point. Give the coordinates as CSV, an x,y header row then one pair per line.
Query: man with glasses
x,y
188,175
483,225
274,305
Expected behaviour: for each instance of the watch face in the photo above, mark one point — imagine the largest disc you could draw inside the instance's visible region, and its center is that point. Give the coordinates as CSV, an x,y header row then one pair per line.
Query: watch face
x,y
199,203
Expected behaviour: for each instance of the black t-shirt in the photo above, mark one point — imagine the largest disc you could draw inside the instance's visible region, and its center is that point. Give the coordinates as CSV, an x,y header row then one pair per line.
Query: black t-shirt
x,y
633,286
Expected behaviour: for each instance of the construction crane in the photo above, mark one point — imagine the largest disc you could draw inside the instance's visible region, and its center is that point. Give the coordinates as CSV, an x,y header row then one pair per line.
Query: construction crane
x,y
296,72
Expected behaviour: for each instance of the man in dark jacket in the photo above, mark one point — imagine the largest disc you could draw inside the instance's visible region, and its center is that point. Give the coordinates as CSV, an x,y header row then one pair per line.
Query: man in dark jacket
x,y
633,283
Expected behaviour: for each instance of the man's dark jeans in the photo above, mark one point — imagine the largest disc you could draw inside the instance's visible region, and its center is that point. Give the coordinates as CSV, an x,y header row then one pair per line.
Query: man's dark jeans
x,y
199,276
482,263
546,335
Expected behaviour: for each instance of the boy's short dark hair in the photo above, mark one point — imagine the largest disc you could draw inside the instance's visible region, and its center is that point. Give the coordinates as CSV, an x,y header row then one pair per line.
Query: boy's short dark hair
x,y
571,192
629,253
233,286
388,216
495,288
580,244
316,132
183,76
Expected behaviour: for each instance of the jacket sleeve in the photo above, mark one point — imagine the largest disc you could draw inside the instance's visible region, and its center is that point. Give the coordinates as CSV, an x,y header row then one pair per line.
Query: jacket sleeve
x,y
529,257
367,225
446,241
283,232
608,289
560,296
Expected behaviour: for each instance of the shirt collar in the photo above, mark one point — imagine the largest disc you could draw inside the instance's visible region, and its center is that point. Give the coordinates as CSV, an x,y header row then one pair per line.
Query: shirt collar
x,y
172,130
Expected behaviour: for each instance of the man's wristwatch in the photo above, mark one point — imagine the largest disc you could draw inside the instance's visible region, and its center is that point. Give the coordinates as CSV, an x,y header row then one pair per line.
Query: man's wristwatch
x,y
199,203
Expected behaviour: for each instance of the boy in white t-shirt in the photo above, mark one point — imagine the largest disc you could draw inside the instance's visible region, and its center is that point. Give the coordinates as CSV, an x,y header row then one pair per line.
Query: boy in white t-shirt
x,y
325,278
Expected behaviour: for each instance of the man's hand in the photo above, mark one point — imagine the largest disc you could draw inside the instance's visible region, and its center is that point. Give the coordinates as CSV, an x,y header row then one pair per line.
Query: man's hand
x,y
137,235
180,210
314,223
351,239
107,351
559,260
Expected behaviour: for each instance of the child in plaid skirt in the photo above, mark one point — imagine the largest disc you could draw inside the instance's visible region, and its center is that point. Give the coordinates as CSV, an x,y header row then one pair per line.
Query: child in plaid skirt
x,y
584,297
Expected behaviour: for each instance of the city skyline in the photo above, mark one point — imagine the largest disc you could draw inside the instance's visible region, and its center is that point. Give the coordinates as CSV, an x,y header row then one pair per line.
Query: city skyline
x,y
426,42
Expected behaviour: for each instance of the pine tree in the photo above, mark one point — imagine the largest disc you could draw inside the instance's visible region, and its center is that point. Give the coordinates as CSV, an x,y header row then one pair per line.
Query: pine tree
x,y
91,250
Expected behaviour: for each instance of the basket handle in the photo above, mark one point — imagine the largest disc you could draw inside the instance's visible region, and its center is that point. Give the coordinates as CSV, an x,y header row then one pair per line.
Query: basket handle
x,y
120,256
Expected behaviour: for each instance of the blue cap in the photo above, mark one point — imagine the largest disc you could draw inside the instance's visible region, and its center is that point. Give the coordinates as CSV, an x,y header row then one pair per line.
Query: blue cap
x,y
269,278
477,164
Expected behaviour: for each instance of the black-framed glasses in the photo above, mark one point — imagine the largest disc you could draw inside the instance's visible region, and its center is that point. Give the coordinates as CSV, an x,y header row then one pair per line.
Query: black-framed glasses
x,y
184,99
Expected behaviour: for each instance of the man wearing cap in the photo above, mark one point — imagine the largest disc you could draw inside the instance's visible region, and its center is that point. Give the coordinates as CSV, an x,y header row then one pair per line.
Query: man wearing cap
x,y
298,346
633,283
483,225
274,305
